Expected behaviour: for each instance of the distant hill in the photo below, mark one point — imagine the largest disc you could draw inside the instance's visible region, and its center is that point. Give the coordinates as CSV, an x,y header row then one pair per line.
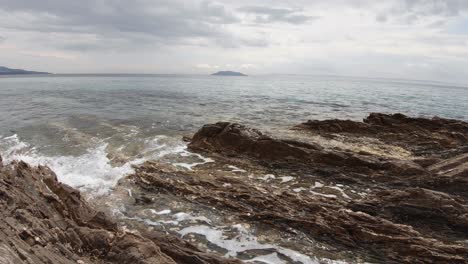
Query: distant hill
x,y
228,73
8,71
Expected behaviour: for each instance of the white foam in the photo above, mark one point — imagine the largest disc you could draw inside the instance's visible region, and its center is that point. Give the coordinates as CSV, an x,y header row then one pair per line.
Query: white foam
x,y
177,218
180,217
341,191
300,189
162,212
267,177
318,185
235,169
244,241
323,194
286,179
189,166
91,172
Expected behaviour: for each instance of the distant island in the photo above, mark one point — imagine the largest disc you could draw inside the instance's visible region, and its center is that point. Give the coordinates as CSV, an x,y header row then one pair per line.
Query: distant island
x,y
8,71
228,73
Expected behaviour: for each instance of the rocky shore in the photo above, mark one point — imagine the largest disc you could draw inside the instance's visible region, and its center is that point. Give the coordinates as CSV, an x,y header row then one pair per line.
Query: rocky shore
x,y
45,221
390,189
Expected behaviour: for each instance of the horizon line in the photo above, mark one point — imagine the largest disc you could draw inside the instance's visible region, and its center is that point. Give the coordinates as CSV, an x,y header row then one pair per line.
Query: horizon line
x,y
454,84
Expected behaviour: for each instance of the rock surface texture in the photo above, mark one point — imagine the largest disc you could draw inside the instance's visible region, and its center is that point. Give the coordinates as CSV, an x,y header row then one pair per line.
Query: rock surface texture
x,y
44,221
390,189
414,209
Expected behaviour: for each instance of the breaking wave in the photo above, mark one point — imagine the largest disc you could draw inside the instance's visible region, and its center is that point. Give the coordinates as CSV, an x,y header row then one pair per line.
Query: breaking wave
x,y
93,172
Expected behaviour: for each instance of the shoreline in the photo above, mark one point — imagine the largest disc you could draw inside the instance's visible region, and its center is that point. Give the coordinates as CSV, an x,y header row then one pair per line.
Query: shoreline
x,y
388,189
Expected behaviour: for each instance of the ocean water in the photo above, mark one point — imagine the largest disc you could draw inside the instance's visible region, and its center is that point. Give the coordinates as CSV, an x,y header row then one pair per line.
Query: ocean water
x,y
91,128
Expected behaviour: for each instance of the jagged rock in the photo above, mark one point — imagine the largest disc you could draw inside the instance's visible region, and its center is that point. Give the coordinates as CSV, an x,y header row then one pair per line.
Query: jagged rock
x,y
408,207
233,139
397,221
450,175
423,137
428,211
454,167
45,221
324,220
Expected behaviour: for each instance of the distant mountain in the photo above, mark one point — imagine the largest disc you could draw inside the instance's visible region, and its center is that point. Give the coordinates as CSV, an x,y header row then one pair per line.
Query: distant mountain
x,y
8,71
228,73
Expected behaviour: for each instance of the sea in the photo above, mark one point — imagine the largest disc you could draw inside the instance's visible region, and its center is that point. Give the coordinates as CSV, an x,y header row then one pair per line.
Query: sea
x,y
92,129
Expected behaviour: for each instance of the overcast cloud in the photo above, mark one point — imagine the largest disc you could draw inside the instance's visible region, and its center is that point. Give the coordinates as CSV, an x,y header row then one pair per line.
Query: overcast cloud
x,y
423,39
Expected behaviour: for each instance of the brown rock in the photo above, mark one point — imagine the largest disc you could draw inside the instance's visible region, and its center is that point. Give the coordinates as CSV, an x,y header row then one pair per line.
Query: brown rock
x,y
433,213
382,239
397,221
424,137
450,175
45,221
234,139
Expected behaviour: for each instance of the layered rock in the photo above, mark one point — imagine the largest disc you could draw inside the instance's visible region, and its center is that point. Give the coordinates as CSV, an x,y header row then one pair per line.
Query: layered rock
x,y
436,213
326,220
424,137
234,140
416,209
45,221
330,187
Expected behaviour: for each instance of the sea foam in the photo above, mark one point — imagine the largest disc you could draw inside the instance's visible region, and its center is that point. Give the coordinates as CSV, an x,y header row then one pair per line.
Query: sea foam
x,y
92,172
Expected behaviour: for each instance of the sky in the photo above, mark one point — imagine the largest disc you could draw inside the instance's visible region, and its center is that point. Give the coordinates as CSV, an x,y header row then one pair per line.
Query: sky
x,y
412,39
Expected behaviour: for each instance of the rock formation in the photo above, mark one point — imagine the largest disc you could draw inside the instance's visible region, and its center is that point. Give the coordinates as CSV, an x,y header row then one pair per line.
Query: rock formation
x,y
44,221
415,210
390,189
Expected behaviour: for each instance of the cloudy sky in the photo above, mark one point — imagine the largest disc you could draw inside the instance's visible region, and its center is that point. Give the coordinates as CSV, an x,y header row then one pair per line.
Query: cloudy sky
x,y
417,39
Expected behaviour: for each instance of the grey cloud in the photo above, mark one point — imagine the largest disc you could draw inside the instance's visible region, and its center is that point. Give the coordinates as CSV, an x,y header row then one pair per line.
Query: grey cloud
x,y
435,7
162,20
264,14
410,11
381,18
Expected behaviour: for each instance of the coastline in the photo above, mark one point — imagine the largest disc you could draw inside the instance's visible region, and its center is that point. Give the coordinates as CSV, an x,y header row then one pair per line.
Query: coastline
x,y
389,189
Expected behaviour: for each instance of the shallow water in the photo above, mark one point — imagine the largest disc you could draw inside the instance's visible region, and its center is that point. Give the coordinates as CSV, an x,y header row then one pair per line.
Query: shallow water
x,y
91,129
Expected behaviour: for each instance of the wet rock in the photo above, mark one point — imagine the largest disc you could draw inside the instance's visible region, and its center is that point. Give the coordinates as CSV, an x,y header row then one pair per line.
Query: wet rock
x,y
45,221
233,139
408,208
431,212
415,206
237,140
142,199
327,220
450,175
339,126
454,167
424,137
